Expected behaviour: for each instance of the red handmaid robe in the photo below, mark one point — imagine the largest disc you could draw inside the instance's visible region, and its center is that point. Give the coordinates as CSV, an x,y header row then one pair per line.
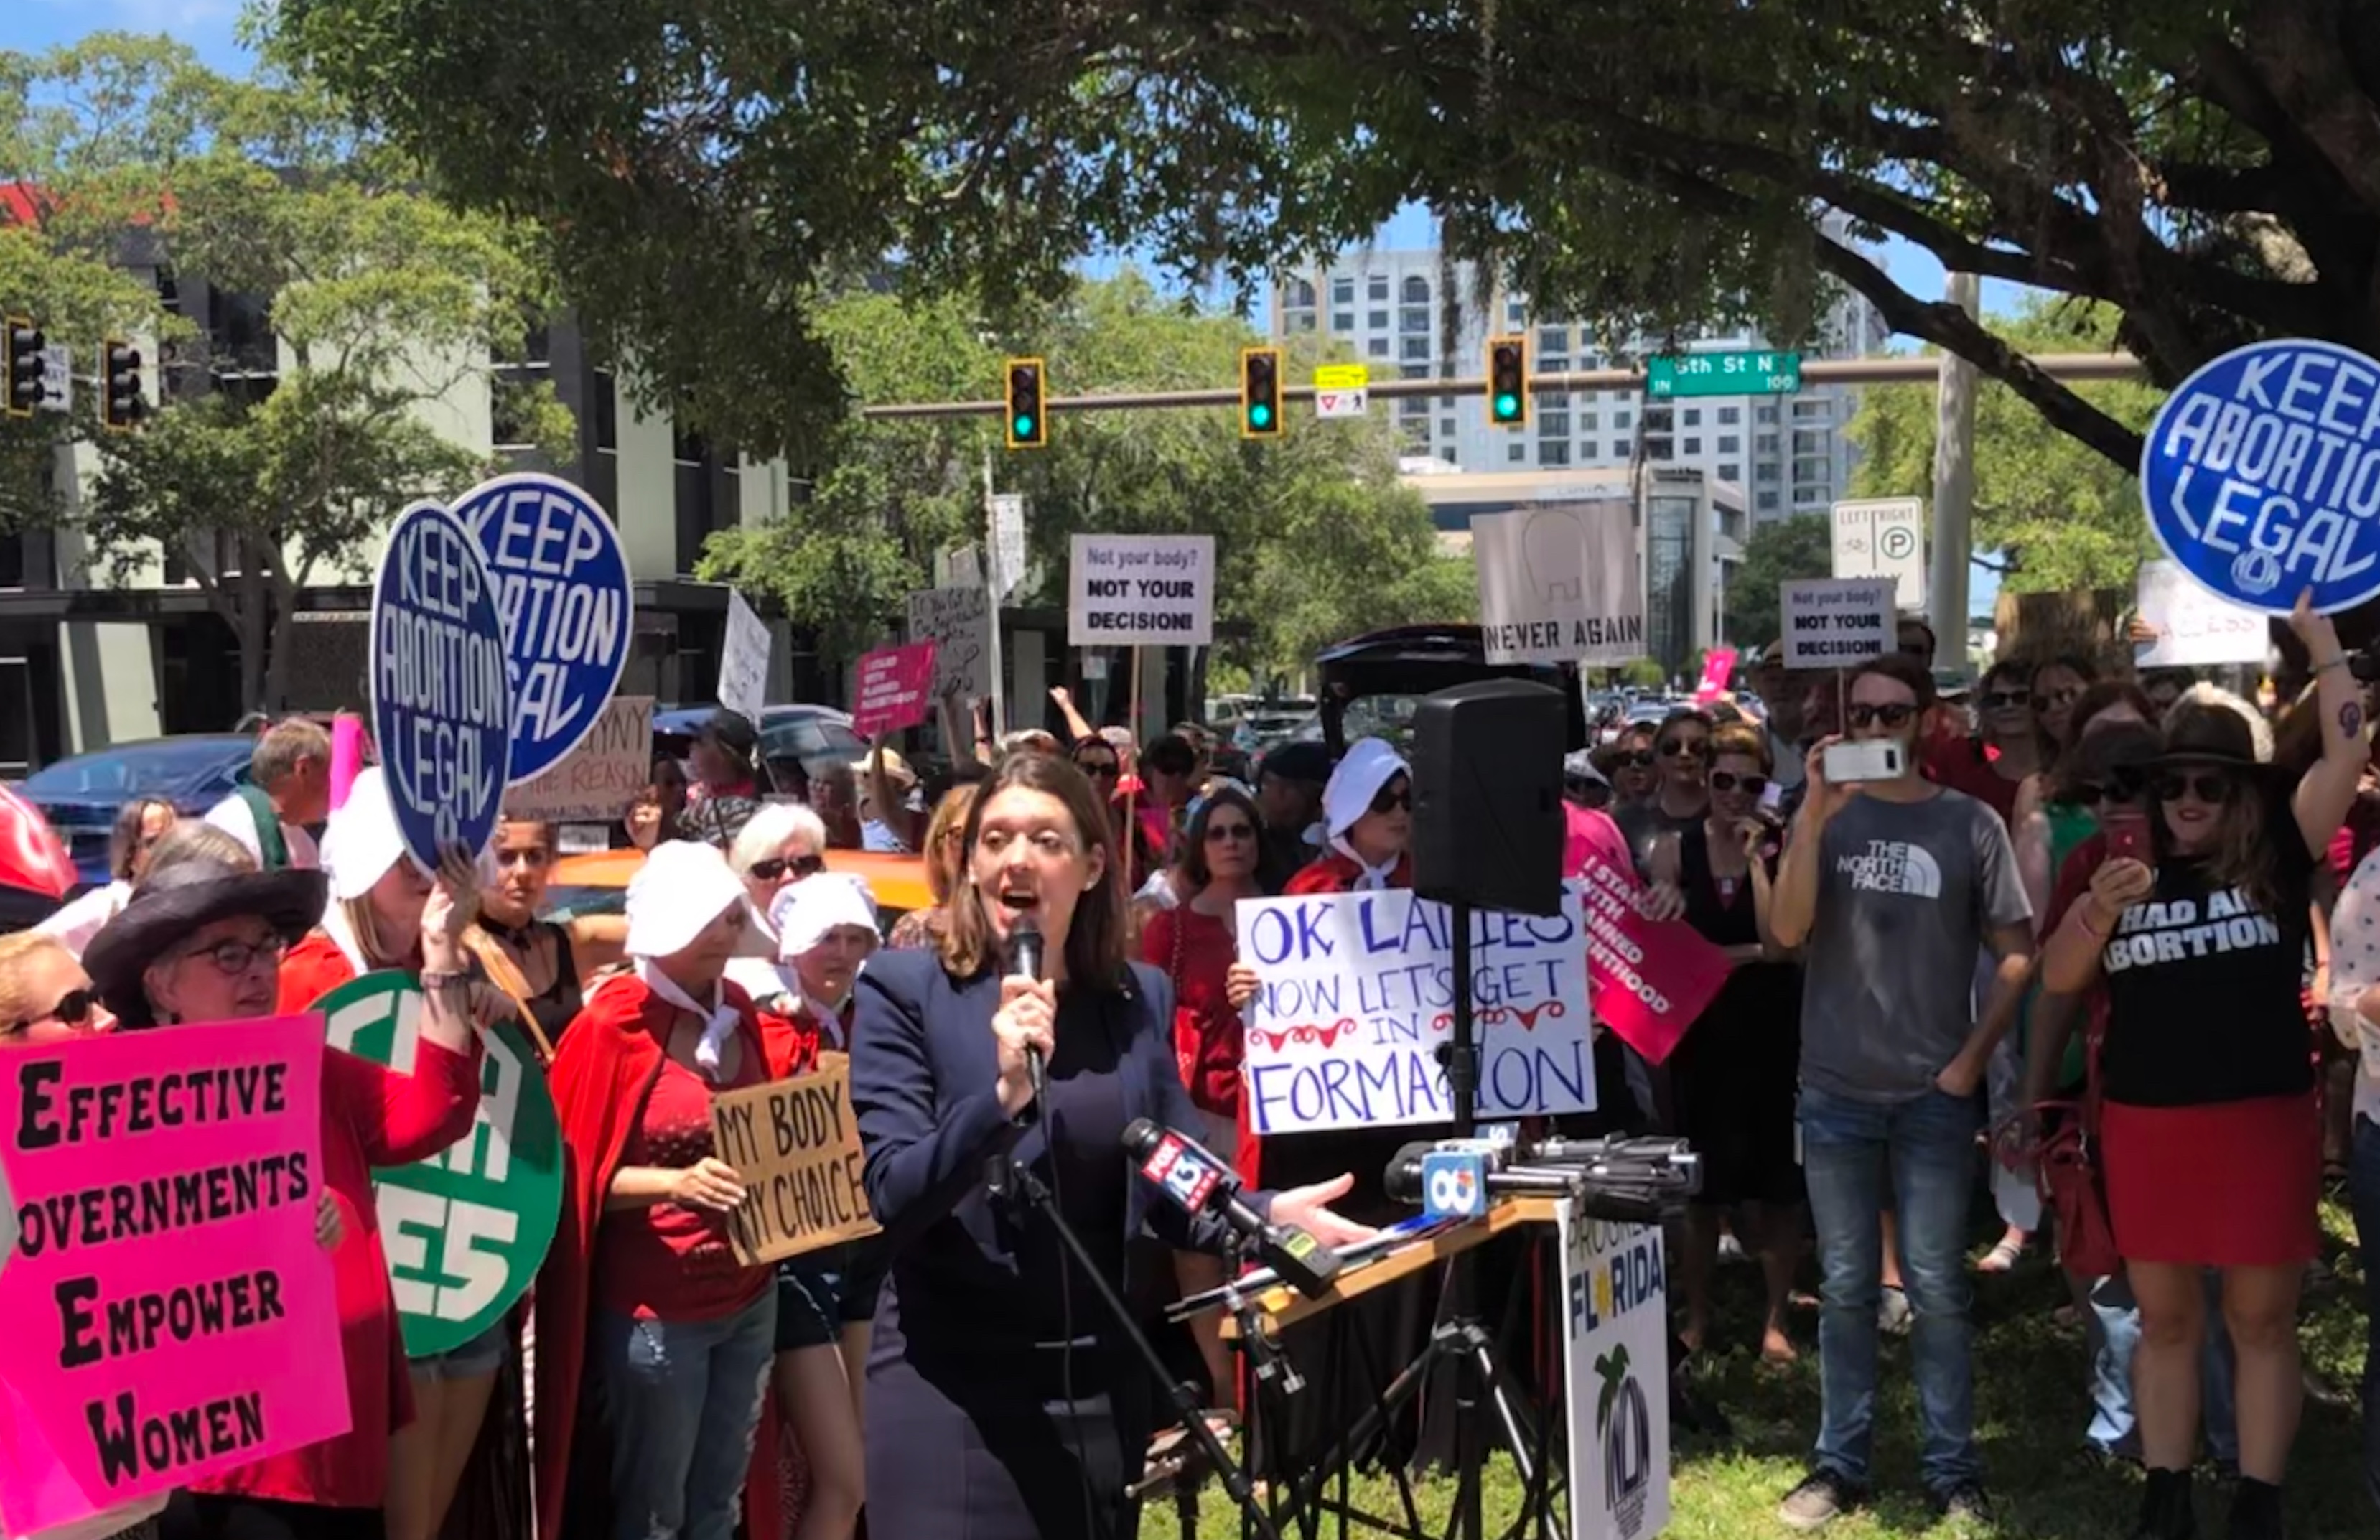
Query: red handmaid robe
x,y
601,1075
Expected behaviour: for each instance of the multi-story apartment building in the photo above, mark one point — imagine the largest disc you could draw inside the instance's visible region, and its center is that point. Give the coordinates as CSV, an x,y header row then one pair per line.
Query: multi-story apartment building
x,y
1412,315
86,661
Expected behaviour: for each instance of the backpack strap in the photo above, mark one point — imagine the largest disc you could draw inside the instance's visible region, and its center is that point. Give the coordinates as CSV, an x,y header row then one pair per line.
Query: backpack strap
x,y
272,849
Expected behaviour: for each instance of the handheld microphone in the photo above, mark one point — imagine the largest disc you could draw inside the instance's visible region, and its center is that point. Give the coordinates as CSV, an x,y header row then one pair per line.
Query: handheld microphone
x,y
1024,959
1194,1177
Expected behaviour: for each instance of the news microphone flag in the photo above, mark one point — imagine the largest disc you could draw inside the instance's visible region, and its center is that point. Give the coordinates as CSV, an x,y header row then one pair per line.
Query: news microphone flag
x,y
1453,1184
1183,1171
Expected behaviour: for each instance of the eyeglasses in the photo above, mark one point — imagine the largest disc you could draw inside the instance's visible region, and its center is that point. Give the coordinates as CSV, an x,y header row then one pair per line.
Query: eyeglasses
x,y
1684,749
1099,767
234,958
1751,785
2214,787
1997,701
1897,714
2053,699
776,867
1389,798
73,1009
1218,833
1638,759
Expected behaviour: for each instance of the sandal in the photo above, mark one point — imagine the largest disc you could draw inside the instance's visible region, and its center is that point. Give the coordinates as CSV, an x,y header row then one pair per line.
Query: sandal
x,y
2002,1258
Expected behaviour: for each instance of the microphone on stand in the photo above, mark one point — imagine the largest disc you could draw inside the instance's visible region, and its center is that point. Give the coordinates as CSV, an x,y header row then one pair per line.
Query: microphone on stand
x,y
1025,960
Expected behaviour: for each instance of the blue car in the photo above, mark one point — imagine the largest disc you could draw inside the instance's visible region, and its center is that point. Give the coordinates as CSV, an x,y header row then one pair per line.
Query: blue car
x,y
80,796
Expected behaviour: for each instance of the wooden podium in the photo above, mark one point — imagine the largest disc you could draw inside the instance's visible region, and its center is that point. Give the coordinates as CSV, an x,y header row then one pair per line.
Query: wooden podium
x,y
1282,1305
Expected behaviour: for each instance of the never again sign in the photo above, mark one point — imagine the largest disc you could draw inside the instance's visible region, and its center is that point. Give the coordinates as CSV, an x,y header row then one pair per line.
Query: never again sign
x,y
170,1314
1356,992
797,1146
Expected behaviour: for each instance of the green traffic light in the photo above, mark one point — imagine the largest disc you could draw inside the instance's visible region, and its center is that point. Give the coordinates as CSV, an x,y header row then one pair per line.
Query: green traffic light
x,y
1024,427
1508,404
1260,416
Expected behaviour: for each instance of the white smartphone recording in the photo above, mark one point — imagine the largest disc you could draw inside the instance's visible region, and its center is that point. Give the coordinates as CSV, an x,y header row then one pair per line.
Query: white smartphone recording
x,y
1878,759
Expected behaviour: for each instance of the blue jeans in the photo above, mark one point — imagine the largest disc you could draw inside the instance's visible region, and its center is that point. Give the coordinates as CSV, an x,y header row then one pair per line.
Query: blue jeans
x,y
2113,1330
2363,1189
684,1399
1923,1151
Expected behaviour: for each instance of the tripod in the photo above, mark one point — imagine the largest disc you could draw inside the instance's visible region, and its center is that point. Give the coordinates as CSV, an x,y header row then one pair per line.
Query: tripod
x,y
1234,1481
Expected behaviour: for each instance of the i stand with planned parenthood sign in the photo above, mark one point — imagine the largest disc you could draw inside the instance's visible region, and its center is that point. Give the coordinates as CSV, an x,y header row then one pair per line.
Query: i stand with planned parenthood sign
x,y
2261,475
568,609
441,684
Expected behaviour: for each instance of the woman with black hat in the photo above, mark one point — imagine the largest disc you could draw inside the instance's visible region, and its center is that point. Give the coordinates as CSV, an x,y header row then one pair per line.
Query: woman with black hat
x,y
202,941
2210,1143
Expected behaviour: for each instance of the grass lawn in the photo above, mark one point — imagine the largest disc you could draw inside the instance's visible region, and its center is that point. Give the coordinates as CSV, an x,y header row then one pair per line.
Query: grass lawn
x,y
2030,1411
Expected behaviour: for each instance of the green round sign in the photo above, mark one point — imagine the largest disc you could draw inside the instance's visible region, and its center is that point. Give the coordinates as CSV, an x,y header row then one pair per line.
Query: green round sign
x,y
466,1230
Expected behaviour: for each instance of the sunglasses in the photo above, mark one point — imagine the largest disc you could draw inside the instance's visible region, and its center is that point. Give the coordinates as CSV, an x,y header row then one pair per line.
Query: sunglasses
x,y
1751,785
1391,798
1998,701
73,1009
1219,832
234,958
2123,789
1914,650
1099,767
2214,787
1638,759
2056,698
776,867
1684,749
1898,714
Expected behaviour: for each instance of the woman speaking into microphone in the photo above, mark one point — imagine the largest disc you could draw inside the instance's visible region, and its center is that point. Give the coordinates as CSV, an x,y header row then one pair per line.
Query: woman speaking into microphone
x,y
1002,1404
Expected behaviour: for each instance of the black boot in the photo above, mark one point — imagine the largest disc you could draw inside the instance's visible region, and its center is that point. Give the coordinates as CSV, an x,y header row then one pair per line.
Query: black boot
x,y
2166,1510
2256,1512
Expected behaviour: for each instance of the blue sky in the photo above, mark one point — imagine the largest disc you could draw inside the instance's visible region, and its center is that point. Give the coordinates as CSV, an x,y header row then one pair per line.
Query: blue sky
x,y
208,25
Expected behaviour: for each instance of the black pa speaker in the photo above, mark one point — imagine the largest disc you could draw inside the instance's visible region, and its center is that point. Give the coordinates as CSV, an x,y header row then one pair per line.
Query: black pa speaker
x,y
1487,826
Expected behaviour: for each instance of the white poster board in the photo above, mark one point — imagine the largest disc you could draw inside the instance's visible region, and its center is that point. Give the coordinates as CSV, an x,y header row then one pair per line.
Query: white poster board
x,y
1615,1300
1832,623
2195,625
1561,583
596,781
1356,994
958,622
1141,591
1007,543
744,660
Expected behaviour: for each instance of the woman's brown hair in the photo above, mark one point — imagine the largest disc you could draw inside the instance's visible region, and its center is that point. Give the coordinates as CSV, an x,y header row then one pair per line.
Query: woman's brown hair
x,y
949,827
1194,839
1742,738
1096,940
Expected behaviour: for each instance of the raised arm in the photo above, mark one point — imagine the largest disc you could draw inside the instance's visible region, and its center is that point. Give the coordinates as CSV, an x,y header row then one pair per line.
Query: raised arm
x,y
2327,790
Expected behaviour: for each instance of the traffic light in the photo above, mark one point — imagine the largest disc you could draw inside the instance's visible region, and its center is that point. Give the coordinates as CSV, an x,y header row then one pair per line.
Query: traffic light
x,y
121,403
1260,393
1028,423
1507,382
22,345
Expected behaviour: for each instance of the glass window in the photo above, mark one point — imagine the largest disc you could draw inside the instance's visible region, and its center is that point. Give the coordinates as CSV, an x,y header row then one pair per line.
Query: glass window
x,y
1377,287
1766,473
1445,426
1624,419
1559,400
1415,349
1694,416
1305,321
1342,320
1516,453
1730,415
1589,450
1301,296
1343,291
1813,411
1587,419
1414,317
1555,453
1515,313
1417,290
1764,444
1731,473
1764,414
1553,339
1553,425
1695,445
1767,503
1729,443
1375,321
1376,347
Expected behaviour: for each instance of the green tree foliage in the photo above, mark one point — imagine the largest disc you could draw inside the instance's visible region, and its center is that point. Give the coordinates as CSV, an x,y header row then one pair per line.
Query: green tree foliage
x,y
1315,538
2061,515
1777,554
2208,168
278,458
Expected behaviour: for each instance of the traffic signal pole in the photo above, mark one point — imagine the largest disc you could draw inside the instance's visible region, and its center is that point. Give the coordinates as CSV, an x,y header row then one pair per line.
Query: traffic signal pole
x,y
1911,369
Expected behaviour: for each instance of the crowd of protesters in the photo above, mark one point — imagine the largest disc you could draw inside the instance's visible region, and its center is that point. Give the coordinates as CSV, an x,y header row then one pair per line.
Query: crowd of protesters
x,y
2098,954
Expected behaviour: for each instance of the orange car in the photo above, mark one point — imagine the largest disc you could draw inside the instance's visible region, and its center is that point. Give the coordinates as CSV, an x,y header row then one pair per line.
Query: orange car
x,y
597,883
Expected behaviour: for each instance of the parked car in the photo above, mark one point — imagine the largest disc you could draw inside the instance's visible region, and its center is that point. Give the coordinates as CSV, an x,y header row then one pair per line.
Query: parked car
x,y
801,740
81,795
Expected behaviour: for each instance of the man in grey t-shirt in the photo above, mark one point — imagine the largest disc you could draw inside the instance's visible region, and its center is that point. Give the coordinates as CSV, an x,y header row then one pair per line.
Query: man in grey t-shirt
x,y
1892,886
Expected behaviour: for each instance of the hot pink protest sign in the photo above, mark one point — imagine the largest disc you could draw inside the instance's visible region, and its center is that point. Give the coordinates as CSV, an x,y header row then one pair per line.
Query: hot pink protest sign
x,y
894,683
1719,667
169,1314
1650,979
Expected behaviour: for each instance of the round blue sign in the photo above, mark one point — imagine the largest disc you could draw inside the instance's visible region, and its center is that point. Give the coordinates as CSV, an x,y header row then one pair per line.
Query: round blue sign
x,y
2262,475
441,684
562,587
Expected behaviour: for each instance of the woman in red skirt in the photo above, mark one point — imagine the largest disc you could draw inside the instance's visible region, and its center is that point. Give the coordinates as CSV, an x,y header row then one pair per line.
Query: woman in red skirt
x,y
2209,1140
